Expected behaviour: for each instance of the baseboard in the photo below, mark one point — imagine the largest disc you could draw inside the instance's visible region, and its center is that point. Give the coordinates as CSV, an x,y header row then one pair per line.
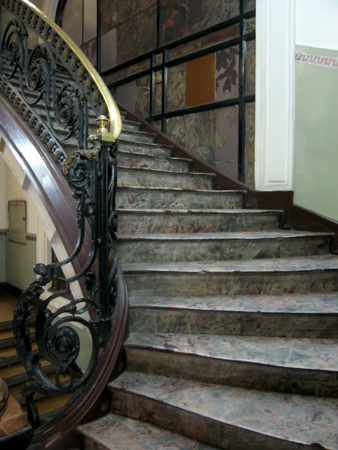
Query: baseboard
x,y
2,288
12,290
306,220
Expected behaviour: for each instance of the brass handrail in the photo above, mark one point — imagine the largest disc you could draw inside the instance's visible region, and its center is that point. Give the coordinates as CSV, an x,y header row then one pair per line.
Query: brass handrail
x,y
115,122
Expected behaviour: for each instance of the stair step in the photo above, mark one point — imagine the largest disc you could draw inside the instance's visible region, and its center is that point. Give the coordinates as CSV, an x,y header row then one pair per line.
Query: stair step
x,y
17,374
137,136
176,198
227,417
259,276
296,316
145,221
161,178
219,246
114,432
137,160
149,149
130,125
301,366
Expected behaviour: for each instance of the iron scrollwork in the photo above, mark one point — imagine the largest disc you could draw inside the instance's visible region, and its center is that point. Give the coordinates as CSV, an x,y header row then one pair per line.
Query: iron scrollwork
x,y
92,177
45,91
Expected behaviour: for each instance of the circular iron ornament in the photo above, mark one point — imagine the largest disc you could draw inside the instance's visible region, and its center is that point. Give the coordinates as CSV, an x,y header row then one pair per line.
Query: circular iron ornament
x,y
64,344
79,173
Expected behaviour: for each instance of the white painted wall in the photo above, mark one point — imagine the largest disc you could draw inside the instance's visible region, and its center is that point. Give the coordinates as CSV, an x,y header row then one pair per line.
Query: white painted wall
x,y
3,215
316,23
13,190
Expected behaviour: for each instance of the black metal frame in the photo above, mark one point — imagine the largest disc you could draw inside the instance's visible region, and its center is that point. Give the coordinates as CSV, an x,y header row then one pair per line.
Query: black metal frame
x,y
243,98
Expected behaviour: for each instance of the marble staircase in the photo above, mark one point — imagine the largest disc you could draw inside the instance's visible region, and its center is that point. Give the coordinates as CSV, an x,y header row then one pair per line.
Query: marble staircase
x,y
233,322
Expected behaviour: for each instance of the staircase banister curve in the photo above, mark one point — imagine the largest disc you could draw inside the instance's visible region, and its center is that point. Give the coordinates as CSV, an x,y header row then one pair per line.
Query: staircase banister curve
x,y
59,204
115,122
50,96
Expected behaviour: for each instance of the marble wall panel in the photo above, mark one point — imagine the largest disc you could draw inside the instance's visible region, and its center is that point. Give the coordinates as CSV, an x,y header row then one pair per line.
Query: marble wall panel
x,y
147,30
206,13
250,5
108,15
127,42
72,20
249,153
89,49
126,94
141,5
227,73
142,101
200,135
226,140
158,124
109,49
204,42
125,10
89,20
176,130
176,87
174,20
250,77
127,71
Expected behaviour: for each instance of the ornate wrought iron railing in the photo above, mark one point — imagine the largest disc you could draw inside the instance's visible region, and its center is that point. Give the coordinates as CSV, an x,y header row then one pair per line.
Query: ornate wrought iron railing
x,y
57,92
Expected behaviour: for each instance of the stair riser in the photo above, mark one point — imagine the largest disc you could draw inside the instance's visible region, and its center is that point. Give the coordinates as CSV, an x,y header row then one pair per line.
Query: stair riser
x,y
218,250
160,320
187,423
180,200
233,373
150,150
130,177
134,223
175,284
135,136
146,162
130,126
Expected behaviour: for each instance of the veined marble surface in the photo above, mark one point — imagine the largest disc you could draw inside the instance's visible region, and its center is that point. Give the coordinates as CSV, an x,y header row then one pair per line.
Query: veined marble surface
x,y
291,418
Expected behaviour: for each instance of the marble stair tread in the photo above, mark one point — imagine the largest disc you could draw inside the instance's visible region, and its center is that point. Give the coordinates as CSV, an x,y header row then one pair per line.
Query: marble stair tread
x,y
304,353
211,246
271,420
158,157
295,264
311,303
136,160
149,148
237,236
176,197
241,212
114,432
138,176
128,124
179,189
138,136
169,220
159,171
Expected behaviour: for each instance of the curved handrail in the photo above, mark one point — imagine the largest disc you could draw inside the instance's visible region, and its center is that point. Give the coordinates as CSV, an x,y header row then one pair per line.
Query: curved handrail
x,y
61,207
52,92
